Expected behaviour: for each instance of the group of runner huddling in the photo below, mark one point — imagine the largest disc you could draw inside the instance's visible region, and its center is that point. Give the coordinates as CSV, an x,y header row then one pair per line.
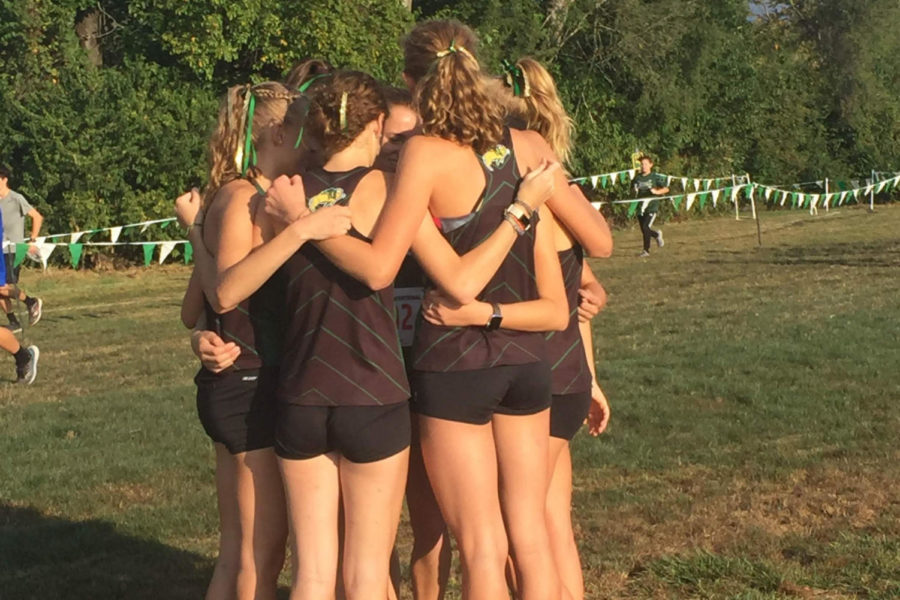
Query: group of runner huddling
x,y
321,418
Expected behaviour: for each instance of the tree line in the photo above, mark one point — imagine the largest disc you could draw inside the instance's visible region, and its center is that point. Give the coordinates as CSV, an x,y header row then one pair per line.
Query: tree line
x,y
107,105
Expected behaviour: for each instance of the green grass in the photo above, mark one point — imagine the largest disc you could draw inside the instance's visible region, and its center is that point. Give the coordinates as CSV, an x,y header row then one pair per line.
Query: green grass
x,y
752,451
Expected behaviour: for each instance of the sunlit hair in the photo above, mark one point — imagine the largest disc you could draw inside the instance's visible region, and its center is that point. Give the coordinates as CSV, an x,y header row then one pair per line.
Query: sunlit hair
x,y
451,95
397,96
227,140
305,71
341,107
541,109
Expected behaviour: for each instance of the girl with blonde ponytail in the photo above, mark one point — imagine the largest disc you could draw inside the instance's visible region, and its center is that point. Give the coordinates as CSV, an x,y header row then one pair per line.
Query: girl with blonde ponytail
x,y
240,302
578,229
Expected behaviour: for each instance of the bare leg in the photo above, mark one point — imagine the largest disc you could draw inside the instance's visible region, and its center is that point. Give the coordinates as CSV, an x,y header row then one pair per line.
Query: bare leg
x,y
263,523
559,521
223,585
522,453
430,559
8,341
373,498
461,459
312,490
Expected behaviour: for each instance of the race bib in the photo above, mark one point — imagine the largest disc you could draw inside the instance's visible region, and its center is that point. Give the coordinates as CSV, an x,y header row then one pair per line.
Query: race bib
x,y
407,302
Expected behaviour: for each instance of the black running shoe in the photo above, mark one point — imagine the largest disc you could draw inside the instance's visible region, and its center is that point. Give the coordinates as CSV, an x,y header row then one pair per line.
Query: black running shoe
x,y
34,311
27,372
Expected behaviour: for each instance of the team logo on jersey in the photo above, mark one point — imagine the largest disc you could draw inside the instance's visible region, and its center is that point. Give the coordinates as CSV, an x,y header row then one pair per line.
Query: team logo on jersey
x,y
496,157
326,198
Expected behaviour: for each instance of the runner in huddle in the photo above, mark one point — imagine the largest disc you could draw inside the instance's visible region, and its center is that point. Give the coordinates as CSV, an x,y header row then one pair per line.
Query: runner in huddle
x,y
253,143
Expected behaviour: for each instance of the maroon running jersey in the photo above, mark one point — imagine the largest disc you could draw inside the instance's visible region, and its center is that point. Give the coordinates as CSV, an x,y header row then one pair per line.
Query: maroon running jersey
x,y
565,350
341,346
438,348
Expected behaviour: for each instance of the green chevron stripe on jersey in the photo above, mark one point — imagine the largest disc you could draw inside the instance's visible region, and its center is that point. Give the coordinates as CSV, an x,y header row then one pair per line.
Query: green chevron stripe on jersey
x,y
342,347
565,350
439,348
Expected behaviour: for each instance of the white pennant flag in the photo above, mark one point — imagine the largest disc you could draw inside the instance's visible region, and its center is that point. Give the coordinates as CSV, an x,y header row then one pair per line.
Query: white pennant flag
x,y
768,193
815,199
669,181
784,197
715,196
684,183
76,236
165,249
734,193
841,199
819,183
594,180
631,174
114,233
145,227
697,185
644,206
856,193
44,252
868,189
690,200
880,187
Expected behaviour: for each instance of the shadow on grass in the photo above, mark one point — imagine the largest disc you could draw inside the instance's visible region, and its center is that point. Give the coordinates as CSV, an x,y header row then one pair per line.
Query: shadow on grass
x,y
838,254
49,557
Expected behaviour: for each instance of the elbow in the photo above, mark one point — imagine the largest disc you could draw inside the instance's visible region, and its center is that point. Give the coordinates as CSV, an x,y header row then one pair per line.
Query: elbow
x,y
600,250
221,302
379,280
188,319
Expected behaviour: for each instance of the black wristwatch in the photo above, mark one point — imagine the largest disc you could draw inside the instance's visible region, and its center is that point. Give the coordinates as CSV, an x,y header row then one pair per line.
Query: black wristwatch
x,y
496,318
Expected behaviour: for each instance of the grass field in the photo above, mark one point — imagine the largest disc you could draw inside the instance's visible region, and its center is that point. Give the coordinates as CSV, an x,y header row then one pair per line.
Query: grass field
x,y
752,453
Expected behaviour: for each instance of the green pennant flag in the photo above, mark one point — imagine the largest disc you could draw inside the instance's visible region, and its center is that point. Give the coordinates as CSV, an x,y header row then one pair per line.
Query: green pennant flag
x,y
794,199
75,254
726,193
703,198
604,181
148,253
165,224
805,199
21,251
676,202
632,208
188,252
624,177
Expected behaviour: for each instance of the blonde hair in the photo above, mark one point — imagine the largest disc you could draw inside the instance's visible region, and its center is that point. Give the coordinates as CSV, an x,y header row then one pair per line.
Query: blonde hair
x,y
451,94
541,108
272,100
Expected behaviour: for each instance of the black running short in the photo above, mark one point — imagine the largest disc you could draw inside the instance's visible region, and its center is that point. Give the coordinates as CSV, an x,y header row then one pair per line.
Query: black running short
x,y
237,408
474,396
567,414
361,434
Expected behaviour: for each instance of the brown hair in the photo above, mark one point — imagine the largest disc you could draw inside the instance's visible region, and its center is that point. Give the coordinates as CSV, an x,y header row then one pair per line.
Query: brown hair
x,y
362,101
305,71
540,107
397,96
271,104
451,96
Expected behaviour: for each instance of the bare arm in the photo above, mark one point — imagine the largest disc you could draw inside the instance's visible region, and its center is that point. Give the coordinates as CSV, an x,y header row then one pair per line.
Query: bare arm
x,y
192,303
37,219
592,294
549,312
461,277
574,212
598,413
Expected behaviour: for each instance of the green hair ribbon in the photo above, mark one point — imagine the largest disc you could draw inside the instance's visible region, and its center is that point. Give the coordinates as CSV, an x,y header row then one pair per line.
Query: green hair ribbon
x,y
249,156
302,89
515,78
